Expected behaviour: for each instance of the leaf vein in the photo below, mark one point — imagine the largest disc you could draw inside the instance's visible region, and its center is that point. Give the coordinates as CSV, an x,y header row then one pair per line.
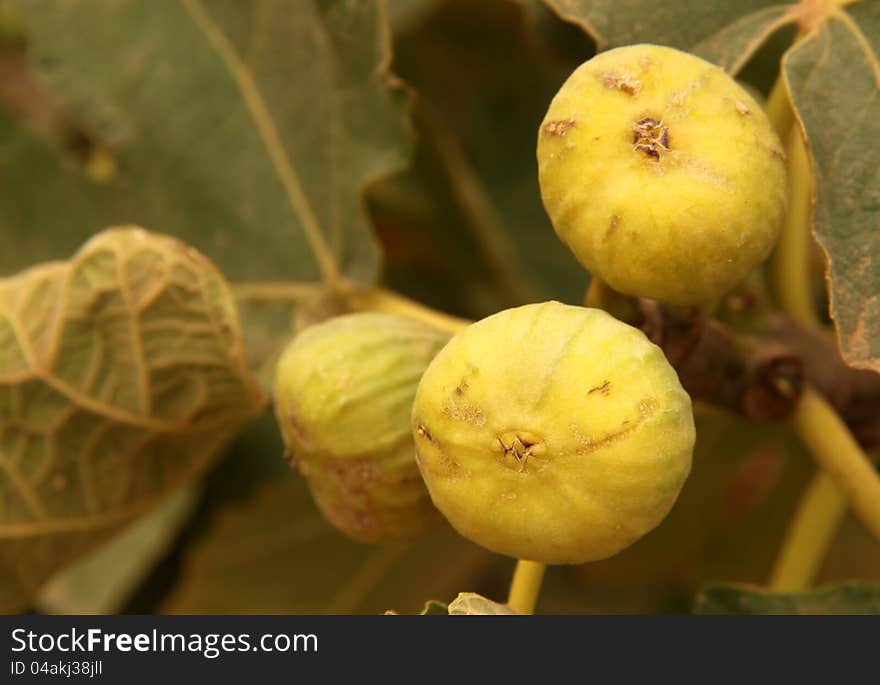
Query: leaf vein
x,y
256,106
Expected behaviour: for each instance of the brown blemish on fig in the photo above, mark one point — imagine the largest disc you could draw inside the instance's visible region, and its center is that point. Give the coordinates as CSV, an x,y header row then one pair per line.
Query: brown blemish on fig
x,y
646,408
604,388
423,432
559,127
293,462
623,82
349,499
451,468
612,225
300,434
355,475
651,137
464,412
346,495
462,387
777,152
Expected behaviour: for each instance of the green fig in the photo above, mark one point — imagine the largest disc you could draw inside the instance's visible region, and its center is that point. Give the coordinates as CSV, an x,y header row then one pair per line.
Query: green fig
x,y
343,396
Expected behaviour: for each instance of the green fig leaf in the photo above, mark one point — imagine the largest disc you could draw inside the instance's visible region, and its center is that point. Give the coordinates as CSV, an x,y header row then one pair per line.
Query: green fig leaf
x,y
288,559
248,129
483,93
268,549
847,598
833,77
725,33
122,374
102,581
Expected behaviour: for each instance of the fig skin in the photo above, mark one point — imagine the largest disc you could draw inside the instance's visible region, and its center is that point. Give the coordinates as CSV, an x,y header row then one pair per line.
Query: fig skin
x,y
343,396
553,433
662,175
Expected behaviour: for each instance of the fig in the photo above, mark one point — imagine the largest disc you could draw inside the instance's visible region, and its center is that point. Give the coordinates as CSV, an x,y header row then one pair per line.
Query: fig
x,y
552,433
343,396
662,175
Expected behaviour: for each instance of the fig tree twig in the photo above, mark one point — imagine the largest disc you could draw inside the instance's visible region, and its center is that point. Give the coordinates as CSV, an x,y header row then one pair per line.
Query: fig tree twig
x,y
854,393
753,376
758,375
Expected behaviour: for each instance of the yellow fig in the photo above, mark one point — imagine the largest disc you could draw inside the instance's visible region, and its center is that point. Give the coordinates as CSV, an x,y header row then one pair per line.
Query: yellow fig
x,y
661,174
553,433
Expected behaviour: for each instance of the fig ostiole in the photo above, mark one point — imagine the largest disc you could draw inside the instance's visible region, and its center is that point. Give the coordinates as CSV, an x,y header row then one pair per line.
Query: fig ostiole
x,y
343,396
662,174
553,433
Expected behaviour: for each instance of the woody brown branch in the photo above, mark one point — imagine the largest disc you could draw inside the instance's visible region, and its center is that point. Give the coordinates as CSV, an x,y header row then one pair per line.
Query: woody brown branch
x,y
759,375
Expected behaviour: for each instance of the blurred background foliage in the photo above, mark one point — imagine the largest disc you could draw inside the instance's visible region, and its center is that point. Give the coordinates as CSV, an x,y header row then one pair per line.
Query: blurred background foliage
x,y
460,228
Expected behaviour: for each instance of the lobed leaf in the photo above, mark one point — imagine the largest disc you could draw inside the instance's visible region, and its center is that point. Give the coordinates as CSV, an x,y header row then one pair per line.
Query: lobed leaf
x,y
847,598
723,32
122,373
833,76
248,129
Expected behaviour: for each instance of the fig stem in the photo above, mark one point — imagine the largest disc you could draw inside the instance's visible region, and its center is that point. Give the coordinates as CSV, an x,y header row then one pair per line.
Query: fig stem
x,y
382,300
839,455
778,107
809,535
525,586
789,265
276,290
600,295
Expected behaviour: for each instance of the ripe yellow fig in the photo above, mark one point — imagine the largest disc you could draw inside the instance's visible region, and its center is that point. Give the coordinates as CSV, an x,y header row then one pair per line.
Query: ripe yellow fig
x,y
553,433
343,396
661,174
